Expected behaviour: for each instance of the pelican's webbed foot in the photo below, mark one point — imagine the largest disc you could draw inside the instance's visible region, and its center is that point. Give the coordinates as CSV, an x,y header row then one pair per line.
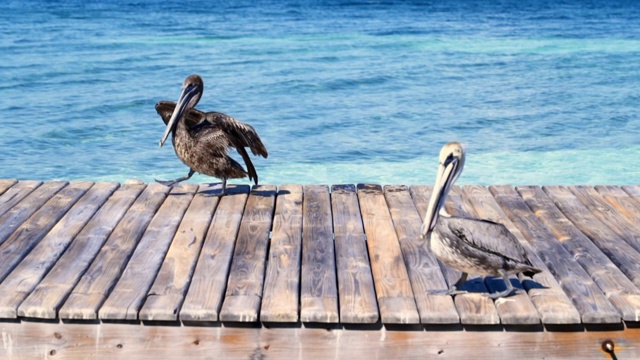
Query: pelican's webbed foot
x,y
171,183
507,291
223,189
451,291
498,294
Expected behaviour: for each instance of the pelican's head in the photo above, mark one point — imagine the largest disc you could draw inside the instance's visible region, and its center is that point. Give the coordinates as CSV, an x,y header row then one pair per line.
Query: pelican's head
x,y
451,164
192,89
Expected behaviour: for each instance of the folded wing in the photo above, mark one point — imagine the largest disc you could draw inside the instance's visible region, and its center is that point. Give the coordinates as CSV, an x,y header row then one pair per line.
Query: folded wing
x,y
488,236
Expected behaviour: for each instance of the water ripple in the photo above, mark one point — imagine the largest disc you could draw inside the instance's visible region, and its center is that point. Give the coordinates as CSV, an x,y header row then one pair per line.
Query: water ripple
x,y
339,91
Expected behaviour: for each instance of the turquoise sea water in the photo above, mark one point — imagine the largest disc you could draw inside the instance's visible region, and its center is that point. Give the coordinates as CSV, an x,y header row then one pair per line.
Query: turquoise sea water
x,y
541,92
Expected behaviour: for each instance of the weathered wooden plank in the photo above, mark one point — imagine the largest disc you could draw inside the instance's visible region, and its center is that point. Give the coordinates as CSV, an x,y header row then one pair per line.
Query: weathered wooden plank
x,y
552,304
13,195
620,291
281,294
246,276
96,284
472,308
621,225
31,200
47,297
620,200
574,280
204,298
356,290
422,265
170,286
628,204
26,236
5,184
128,294
29,339
393,287
633,190
625,257
37,263
319,288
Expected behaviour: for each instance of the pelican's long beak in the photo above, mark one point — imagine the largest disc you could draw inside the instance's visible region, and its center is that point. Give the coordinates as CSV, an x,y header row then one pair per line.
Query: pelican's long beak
x,y
188,92
447,174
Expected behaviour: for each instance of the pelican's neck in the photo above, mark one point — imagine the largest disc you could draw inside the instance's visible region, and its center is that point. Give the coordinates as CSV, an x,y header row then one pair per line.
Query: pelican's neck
x,y
451,163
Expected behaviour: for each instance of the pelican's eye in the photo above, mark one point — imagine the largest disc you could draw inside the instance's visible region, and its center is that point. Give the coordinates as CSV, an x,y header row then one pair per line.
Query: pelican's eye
x,y
448,160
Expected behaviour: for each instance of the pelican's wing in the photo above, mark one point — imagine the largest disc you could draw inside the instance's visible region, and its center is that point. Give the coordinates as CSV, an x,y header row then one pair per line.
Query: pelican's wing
x,y
240,134
219,141
251,171
488,236
165,110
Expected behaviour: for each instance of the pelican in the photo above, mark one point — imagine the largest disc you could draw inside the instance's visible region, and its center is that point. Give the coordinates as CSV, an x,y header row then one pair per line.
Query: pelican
x,y
201,139
474,246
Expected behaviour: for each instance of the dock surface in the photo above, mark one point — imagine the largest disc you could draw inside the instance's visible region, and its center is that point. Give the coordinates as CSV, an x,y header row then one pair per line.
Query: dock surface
x,y
308,270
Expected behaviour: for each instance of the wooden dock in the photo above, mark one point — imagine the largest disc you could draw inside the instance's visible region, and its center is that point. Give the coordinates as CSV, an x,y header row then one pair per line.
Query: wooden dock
x,y
313,271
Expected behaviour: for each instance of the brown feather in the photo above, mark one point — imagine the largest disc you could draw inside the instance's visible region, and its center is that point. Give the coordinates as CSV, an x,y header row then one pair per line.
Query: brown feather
x,y
201,141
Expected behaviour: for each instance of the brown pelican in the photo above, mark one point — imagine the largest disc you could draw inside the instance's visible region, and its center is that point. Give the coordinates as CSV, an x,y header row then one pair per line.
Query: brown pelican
x,y
201,139
474,246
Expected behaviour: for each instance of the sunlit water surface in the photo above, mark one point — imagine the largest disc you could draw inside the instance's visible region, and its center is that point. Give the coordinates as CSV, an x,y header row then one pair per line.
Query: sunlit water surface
x,y
340,92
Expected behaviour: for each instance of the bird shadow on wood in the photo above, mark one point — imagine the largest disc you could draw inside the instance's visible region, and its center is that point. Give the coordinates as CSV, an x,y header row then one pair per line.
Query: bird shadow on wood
x,y
475,285
262,191
532,284
232,189
496,283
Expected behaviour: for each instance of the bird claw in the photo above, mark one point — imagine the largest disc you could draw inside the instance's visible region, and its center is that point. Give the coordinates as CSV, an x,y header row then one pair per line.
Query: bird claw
x,y
446,292
168,183
498,295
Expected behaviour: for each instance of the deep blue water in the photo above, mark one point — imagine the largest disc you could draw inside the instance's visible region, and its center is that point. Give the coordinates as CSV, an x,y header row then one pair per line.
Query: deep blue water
x,y
540,92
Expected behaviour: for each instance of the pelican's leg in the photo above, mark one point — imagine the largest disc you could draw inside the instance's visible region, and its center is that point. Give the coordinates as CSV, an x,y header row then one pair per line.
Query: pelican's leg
x,y
453,290
171,183
462,280
507,291
224,186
